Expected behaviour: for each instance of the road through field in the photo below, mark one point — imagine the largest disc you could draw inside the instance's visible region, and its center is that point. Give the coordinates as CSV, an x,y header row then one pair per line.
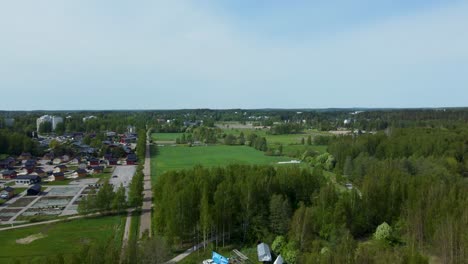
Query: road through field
x,y
145,220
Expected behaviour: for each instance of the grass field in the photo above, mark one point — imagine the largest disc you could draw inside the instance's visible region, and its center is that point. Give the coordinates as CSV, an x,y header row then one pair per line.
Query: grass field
x,y
277,139
63,237
181,157
165,136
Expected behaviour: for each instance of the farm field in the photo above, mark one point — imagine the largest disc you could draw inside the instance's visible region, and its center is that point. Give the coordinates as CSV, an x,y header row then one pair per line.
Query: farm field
x,y
66,236
181,157
165,136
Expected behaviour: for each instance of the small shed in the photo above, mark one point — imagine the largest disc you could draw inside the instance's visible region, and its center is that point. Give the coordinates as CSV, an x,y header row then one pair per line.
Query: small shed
x,y
279,260
264,253
34,190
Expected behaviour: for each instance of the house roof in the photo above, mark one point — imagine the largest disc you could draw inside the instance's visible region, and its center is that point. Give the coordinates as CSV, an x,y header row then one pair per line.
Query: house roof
x,y
27,177
9,189
81,171
58,174
36,187
8,172
61,166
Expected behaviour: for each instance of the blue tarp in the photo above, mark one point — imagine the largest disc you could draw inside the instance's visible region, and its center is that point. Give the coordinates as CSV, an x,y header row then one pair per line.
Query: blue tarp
x,y
218,259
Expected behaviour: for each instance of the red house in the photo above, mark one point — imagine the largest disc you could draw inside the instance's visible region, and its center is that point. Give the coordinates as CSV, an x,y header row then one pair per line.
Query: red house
x,y
94,162
8,174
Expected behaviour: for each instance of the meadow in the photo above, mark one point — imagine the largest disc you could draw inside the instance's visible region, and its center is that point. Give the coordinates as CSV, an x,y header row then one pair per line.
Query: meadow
x,y
63,237
183,157
165,136
286,139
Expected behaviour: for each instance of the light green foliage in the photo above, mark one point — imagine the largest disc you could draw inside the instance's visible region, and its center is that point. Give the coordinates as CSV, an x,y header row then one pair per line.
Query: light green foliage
x,y
383,232
278,244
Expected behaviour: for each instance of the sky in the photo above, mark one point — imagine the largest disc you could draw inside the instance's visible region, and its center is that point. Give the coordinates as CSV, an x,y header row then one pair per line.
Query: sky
x,y
220,54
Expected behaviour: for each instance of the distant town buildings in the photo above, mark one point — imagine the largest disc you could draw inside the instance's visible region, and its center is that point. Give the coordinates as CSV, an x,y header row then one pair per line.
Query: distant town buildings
x,y
54,120
88,118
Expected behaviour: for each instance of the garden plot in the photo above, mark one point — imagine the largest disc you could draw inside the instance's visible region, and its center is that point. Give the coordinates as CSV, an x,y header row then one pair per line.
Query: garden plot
x,y
64,191
86,181
7,213
22,202
41,211
52,202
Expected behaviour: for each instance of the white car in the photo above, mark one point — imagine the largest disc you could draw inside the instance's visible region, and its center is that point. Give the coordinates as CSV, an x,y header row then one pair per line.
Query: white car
x,y
208,261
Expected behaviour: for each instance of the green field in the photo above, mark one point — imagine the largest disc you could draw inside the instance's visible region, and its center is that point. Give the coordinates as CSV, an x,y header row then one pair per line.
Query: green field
x,y
182,157
64,237
277,139
165,136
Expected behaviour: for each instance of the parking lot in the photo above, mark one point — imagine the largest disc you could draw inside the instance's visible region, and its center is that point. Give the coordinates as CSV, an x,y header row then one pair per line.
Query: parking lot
x,y
122,175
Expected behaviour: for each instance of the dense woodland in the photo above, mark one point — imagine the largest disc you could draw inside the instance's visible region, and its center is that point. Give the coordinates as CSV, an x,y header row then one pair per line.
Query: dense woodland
x,y
408,205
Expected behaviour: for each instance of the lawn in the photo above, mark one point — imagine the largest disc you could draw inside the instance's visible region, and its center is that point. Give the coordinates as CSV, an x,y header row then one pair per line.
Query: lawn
x,y
63,237
165,136
182,157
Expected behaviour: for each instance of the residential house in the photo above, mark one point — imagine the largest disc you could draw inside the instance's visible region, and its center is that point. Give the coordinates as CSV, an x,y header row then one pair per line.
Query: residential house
x,y
7,163
8,174
60,168
34,190
27,179
39,172
59,176
131,159
30,164
65,158
108,156
97,169
48,156
7,193
25,156
24,171
81,173
93,162
113,161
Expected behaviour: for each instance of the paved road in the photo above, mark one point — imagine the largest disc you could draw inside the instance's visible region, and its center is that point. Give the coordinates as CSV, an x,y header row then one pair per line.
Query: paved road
x,y
188,252
145,224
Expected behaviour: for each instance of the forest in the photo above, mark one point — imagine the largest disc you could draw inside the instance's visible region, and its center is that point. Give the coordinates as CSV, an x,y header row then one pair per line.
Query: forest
x,y
408,205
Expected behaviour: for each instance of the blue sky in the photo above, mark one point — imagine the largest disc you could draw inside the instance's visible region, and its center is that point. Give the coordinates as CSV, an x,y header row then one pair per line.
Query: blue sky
x,y
57,54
